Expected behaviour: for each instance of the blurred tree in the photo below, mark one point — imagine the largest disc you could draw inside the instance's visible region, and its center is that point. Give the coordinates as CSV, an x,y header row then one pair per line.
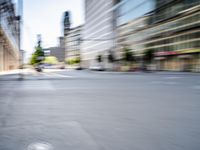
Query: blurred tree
x,y
78,60
38,55
111,57
73,61
33,59
148,56
99,58
51,60
128,55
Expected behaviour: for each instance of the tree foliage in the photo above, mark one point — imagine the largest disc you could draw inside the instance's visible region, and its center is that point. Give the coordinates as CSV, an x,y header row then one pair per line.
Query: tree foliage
x,y
128,55
37,56
50,60
148,56
99,58
73,61
111,57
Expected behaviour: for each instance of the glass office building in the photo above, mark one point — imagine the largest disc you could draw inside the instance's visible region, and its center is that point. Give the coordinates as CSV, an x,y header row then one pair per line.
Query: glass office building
x,y
171,30
174,35
129,10
97,31
72,43
132,18
9,36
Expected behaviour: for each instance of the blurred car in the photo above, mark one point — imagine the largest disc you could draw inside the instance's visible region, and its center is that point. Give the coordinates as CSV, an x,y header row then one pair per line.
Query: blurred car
x,y
97,68
61,66
38,68
79,68
50,66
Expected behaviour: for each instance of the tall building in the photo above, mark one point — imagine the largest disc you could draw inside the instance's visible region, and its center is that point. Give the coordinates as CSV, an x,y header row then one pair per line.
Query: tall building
x,y
104,22
132,19
98,35
128,36
174,35
62,42
66,23
170,30
129,10
9,36
73,43
72,39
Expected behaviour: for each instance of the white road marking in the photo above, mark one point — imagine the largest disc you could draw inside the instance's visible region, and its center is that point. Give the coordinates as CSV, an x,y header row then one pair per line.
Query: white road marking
x,y
40,146
173,77
61,75
54,75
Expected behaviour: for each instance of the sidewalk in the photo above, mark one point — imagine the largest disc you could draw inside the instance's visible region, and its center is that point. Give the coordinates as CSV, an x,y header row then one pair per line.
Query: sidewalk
x,y
10,72
27,71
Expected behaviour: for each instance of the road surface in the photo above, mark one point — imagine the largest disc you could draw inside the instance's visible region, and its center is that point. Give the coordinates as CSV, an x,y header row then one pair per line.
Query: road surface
x,y
82,110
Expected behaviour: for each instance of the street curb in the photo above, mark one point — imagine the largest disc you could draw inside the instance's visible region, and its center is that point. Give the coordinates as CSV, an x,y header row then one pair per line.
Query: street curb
x,y
147,72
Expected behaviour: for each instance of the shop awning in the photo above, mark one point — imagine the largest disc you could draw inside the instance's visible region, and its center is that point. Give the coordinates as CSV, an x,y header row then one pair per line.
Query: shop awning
x,y
165,53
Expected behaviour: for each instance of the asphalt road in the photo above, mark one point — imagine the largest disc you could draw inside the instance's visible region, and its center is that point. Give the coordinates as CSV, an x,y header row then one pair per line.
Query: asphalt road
x,y
82,110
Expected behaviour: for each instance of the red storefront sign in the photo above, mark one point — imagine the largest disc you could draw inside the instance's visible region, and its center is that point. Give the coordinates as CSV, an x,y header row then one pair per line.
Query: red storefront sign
x,y
165,53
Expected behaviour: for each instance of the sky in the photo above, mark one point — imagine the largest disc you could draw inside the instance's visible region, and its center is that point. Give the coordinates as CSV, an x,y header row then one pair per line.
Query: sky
x,y
45,17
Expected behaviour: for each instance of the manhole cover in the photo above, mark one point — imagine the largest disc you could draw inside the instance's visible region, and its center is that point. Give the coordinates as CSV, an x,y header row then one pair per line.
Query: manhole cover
x,y
40,146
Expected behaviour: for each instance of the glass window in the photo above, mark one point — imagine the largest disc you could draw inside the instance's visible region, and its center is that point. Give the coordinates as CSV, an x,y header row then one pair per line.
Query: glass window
x,y
130,10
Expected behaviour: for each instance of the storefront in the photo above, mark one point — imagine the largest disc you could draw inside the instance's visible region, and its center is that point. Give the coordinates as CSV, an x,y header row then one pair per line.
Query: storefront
x,y
189,60
166,61
182,60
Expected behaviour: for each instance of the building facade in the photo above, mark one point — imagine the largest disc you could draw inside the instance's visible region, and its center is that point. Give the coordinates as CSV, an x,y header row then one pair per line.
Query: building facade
x,y
58,51
108,25
98,35
170,30
129,10
73,43
132,18
174,35
9,36
72,39
128,36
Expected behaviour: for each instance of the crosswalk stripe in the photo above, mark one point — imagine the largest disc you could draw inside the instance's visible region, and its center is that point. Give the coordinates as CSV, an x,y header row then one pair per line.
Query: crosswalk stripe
x,y
58,75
